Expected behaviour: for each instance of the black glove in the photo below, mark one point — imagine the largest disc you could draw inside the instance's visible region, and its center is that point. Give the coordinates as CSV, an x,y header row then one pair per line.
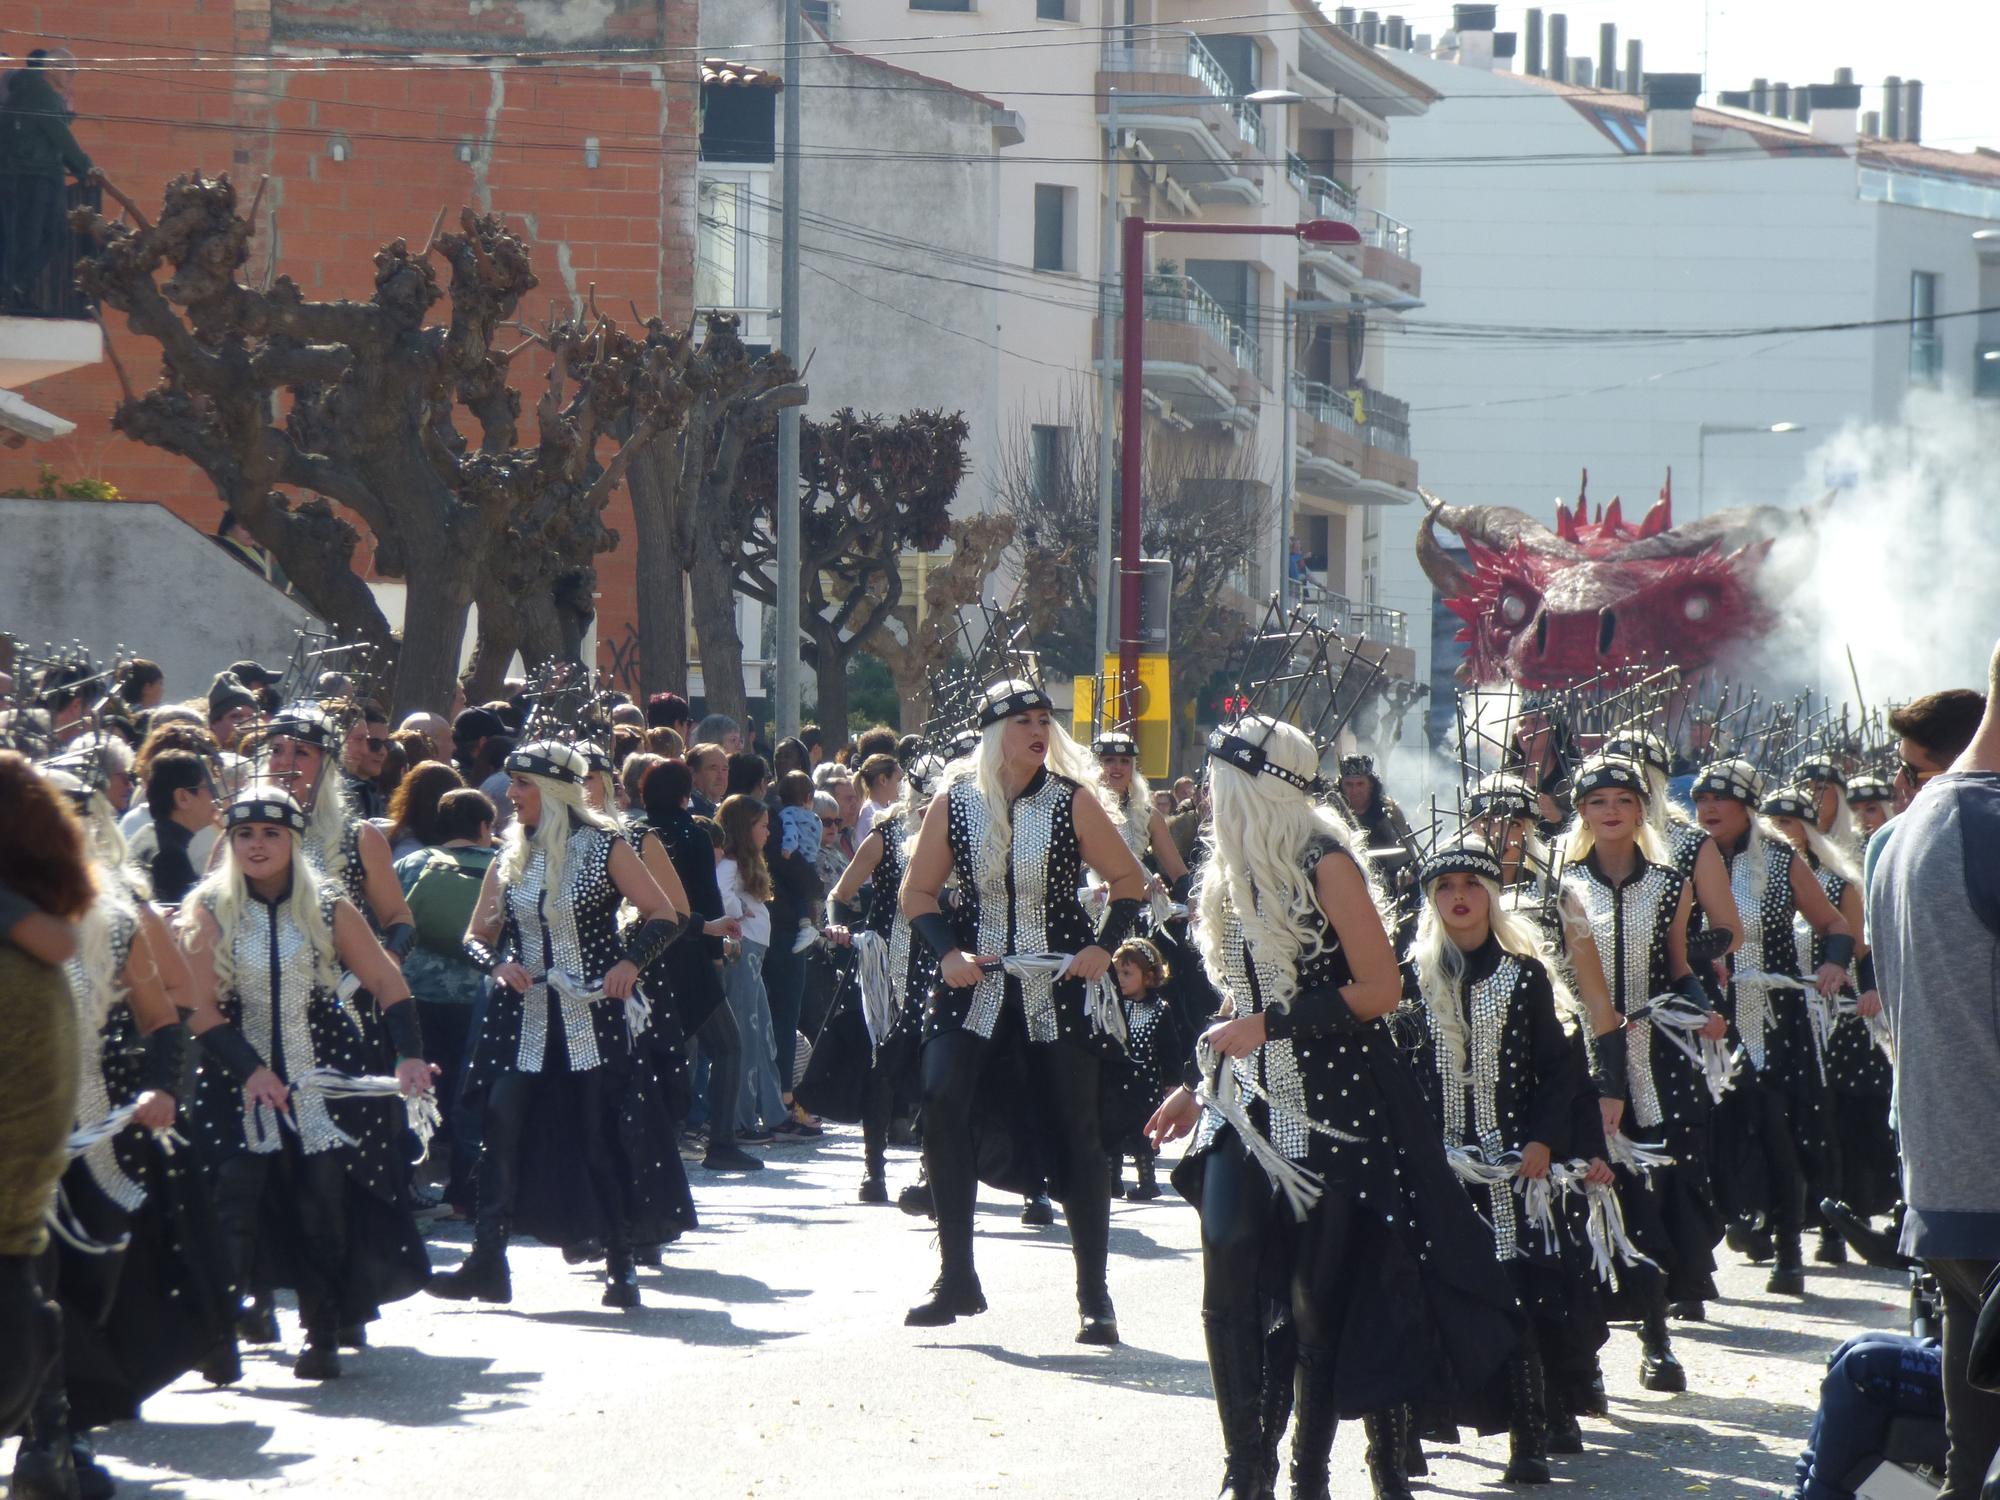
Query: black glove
x,y
1118,922
840,914
166,1056
232,1049
1864,972
936,933
1840,949
653,938
1689,989
1610,1065
1709,944
1321,1012
1180,888
481,957
400,939
406,1032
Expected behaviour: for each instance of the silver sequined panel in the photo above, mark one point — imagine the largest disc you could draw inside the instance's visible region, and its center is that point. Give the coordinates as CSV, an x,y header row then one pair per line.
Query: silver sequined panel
x,y
973,822
1034,834
1273,1067
1629,970
1754,1013
1488,1005
587,890
1135,826
93,1098
274,1005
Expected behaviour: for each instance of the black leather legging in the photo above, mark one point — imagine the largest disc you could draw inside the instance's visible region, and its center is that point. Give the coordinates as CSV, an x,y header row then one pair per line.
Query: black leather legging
x,y
507,1109
312,1189
1064,1074
878,1107
1242,1213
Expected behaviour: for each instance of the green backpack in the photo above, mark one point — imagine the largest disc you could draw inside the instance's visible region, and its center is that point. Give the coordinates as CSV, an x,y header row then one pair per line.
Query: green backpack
x,y
443,896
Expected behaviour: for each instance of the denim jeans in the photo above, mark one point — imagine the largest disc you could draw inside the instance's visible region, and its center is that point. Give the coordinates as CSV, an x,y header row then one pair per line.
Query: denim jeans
x,y
743,990
1871,1379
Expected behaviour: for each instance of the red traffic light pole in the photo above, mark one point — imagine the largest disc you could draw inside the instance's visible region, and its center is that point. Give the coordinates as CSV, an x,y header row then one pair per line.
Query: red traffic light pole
x,y
1314,231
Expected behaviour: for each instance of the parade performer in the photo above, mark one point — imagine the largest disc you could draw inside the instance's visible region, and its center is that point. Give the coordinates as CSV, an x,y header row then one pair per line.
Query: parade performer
x,y
1318,1174
1501,1078
1688,844
1854,1056
1137,1081
307,1187
1375,815
1774,1137
299,753
1018,822
1873,803
564,1155
1636,906
1140,823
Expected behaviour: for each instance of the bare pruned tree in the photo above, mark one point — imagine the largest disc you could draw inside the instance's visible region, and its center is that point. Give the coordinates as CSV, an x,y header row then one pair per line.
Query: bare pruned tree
x,y
918,651
1206,506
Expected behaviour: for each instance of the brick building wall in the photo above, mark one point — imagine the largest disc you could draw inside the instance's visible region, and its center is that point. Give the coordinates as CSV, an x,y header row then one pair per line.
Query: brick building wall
x,y
517,86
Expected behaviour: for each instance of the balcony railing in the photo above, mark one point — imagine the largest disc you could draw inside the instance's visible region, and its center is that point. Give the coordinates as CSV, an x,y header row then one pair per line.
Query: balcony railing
x,y
1181,54
40,249
1350,617
1325,405
1383,232
1323,197
1176,299
1386,422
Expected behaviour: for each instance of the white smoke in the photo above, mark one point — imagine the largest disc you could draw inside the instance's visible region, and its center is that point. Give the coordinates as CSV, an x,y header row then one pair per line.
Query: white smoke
x,y
1903,567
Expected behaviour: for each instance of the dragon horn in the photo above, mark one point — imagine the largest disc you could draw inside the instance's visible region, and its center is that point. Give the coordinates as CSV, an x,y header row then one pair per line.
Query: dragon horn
x,y
1500,528
1450,579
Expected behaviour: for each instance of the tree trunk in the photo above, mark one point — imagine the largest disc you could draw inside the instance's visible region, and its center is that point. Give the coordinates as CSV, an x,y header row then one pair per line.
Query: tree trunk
x,y
715,631
831,676
434,610
499,637
661,568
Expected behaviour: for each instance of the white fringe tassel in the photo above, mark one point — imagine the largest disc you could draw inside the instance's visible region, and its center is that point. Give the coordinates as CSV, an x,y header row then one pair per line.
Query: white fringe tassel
x,y
421,1109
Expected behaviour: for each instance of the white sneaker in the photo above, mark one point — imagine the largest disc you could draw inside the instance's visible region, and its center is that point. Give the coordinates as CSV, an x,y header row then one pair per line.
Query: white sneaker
x,y
808,935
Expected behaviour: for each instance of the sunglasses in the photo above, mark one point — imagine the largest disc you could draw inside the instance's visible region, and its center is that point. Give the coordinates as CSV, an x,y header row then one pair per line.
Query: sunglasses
x,y
1915,777
829,822
375,744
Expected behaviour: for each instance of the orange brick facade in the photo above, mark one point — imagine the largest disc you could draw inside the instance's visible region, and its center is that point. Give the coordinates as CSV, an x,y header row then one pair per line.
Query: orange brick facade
x,y
179,85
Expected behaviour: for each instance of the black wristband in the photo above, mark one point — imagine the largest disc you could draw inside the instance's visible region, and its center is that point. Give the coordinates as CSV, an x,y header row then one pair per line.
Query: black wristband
x,y
840,914
1118,922
232,1049
1840,949
1864,972
165,1058
406,1031
1610,1065
1180,888
1312,1013
400,939
1709,944
1689,989
653,938
480,956
936,933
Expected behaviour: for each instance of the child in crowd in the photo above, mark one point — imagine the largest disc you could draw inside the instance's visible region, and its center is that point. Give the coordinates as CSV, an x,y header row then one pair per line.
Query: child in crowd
x,y
799,833
1156,1048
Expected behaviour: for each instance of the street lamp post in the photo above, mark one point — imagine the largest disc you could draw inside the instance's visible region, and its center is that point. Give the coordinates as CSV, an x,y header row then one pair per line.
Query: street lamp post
x,y
1106,272
1315,231
1708,430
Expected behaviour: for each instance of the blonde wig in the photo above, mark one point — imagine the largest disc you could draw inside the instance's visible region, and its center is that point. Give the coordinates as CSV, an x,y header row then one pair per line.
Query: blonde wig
x,y
563,809
1256,861
225,893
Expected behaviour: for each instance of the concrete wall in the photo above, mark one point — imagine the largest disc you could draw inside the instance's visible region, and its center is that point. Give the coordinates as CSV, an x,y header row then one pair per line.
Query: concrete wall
x,y
120,574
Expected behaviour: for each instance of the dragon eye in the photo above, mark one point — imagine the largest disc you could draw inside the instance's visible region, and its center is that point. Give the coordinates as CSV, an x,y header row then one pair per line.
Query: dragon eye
x,y
1697,606
1513,609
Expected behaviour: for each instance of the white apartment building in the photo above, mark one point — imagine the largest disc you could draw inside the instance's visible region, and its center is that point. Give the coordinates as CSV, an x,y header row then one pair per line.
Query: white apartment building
x,y
972,139
1583,215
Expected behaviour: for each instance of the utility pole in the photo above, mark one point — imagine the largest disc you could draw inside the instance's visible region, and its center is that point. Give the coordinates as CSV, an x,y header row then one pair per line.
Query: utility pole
x,y
1107,303
785,688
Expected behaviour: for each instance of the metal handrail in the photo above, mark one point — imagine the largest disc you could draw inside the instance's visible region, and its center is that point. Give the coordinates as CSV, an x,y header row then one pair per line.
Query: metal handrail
x,y
1184,54
1179,299
1324,198
42,281
1350,617
1383,232
1325,405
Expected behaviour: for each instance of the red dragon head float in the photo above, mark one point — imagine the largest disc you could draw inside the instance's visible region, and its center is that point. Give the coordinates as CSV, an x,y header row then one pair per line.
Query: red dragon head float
x,y
1547,608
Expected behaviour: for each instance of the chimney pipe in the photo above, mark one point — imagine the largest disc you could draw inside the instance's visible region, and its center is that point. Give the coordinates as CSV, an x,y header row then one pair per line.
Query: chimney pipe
x,y
1734,98
1832,107
1781,100
1607,55
1635,70
1892,108
1843,75
1579,72
1531,62
1913,111
1371,28
1871,123
1392,33
1670,101
1760,95
1801,103
1505,44
1474,25
1558,68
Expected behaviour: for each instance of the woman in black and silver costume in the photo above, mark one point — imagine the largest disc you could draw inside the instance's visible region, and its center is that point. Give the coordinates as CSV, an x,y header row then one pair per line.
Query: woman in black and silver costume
x,y
1857,1072
1319,1175
1501,1076
1773,1135
1637,905
1688,844
1018,822
1139,822
571,1152
306,1188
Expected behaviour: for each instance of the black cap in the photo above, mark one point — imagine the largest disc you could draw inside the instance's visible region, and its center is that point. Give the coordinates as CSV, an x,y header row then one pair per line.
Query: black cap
x,y
265,804
1789,802
478,724
253,674
227,695
1466,856
1869,789
1005,699
1608,773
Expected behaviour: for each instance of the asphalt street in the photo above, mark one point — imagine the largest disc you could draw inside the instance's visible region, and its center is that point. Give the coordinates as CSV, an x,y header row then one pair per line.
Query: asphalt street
x,y
770,1359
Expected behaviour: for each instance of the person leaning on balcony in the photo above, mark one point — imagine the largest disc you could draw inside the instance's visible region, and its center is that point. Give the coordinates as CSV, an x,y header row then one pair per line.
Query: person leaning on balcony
x,y
36,149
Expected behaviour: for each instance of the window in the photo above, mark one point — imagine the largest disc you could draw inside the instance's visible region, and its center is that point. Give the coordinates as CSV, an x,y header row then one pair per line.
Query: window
x,y
1052,10
718,245
1055,227
1926,344
1048,452
958,5
732,239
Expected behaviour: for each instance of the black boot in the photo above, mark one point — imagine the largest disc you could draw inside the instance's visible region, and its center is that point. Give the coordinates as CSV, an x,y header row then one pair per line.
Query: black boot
x,y
874,1190
1313,1425
1281,1363
1565,1432
1592,1400
1037,1212
1114,1173
955,1294
1388,1452
1876,1247
257,1321
1098,1320
1147,1188
1236,1369
1788,1273
875,1177
1831,1249
44,1468
223,1364
916,1201
621,1281
30,1332
93,1480
1527,1424
1658,1369
1689,1311
320,1359
482,1276
1749,1239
